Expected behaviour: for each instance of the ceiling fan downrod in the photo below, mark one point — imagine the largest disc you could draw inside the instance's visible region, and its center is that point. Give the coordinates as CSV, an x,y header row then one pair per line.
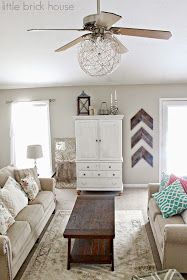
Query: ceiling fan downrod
x,y
98,7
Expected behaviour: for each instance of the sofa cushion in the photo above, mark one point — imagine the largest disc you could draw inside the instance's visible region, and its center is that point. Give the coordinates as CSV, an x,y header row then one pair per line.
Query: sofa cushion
x,y
160,223
18,234
5,172
32,214
153,209
44,198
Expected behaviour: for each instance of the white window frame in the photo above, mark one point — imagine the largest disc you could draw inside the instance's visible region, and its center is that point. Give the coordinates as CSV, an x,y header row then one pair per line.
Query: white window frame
x,y
164,104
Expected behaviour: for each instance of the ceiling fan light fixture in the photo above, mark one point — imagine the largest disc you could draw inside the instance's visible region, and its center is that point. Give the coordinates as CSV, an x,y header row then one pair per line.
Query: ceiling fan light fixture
x,y
99,55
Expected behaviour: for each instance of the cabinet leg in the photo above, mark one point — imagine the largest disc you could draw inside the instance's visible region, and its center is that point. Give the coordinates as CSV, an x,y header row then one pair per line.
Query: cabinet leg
x,y
78,192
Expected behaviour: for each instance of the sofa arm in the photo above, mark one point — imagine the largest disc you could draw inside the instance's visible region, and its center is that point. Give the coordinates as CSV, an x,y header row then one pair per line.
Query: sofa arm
x,y
175,247
5,258
152,188
175,233
48,184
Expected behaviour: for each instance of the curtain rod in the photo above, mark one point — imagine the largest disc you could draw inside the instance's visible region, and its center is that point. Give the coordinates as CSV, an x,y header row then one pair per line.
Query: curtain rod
x,y
11,101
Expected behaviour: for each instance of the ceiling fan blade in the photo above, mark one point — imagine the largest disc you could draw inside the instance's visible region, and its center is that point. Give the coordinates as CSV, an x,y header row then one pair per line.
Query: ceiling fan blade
x,y
72,43
122,48
148,33
105,19
55,29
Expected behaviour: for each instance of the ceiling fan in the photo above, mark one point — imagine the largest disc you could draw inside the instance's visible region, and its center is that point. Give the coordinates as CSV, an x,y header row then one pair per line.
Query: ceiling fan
x,y
100,26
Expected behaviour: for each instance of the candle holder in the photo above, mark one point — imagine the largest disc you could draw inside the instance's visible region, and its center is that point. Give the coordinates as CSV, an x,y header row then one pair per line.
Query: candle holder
x,y
114,108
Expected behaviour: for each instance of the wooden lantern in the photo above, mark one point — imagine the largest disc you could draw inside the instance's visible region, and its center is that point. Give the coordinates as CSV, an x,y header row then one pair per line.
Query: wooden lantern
x,y
83,103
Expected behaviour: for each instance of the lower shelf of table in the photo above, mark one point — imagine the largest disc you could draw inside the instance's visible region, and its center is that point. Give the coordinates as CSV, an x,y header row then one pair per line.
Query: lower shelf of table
x,y
91,251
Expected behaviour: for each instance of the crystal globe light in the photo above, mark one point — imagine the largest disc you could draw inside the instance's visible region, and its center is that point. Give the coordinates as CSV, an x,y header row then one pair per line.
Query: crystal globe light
x,y
99,55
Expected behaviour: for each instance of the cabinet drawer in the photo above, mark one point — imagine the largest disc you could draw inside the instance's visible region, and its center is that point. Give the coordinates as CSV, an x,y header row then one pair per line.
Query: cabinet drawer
x,y
101,184
87,166
85,174
110,166
113,174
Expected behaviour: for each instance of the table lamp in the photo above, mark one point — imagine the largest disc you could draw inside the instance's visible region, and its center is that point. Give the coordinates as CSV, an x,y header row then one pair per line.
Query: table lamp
x,y
34,152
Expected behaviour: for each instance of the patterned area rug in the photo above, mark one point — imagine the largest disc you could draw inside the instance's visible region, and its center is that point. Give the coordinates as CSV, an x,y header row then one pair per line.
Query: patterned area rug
x,y
132,252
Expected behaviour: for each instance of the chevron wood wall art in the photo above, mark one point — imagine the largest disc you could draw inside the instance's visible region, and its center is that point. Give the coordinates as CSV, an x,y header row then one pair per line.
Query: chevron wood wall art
x,y
142,134
142,116
142,153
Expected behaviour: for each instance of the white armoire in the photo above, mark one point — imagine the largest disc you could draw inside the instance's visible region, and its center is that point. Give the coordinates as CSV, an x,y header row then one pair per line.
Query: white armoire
x,y
99,153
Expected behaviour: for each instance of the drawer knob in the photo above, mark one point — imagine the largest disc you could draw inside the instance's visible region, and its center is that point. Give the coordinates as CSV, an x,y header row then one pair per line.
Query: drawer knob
x,y
99,174
84,174
88,166
114,174
110,166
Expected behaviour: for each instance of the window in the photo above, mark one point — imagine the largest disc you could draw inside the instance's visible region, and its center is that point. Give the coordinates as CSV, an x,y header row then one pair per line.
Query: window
x,y
31,125
173,144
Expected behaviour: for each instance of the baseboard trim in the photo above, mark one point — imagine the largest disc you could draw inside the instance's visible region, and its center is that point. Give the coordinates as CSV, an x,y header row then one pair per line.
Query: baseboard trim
x,y
135,186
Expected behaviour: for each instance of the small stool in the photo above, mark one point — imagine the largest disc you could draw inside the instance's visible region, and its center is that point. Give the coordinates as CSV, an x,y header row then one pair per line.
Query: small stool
x,y
169,274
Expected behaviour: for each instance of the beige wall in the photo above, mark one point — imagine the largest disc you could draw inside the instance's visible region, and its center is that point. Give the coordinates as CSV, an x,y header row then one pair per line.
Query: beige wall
x,y
131,99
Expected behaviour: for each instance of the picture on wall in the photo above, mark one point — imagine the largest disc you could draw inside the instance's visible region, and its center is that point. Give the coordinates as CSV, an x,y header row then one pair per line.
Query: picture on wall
x,y
142,134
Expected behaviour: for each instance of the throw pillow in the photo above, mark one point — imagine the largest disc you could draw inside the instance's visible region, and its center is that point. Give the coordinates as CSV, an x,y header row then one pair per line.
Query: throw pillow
x,y
172,200
6,219
164,181
30,187
13,197
183,181
184,216
5,172
22,173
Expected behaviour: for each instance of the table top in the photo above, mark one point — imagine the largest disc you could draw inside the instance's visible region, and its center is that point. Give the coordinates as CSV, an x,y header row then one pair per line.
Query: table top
x,y
93,216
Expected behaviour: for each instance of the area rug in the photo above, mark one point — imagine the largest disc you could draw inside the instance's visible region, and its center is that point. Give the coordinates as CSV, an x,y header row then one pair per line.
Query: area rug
x,y
64,185
132,252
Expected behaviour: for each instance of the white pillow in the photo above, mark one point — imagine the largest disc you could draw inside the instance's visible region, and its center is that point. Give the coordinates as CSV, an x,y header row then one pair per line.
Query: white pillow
x,y
13,197
6,219
30,187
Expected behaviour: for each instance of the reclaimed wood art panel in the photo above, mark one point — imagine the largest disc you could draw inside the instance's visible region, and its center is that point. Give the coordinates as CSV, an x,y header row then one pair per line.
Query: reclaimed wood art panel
x,y
142,134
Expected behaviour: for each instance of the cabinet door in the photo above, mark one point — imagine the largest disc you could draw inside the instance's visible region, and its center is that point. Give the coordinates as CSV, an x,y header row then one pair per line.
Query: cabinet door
x,y
110,140
87,147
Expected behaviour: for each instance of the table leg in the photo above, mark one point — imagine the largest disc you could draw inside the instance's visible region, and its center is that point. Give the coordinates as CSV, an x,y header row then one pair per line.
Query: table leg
x,y
112,254
69,254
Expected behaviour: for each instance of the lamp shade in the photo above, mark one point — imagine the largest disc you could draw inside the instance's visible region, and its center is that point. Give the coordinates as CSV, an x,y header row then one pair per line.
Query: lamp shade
x,y
34,151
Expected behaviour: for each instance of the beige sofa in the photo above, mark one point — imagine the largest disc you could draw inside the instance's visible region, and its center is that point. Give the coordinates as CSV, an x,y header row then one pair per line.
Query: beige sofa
x,y
170,234
23,234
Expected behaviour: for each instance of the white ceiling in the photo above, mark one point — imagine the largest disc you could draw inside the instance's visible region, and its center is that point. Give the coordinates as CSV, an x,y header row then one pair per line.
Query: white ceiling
x,y
28,59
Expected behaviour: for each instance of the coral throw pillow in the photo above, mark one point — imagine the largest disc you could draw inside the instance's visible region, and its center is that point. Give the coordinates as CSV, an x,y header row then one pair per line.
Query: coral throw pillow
x,y
183,181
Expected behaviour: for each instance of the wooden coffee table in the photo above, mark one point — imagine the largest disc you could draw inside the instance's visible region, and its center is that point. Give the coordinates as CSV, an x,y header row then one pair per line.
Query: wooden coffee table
x,y
92,226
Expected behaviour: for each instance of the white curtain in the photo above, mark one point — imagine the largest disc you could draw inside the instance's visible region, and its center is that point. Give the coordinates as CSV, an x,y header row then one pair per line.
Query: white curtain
x,y
174,137
30,125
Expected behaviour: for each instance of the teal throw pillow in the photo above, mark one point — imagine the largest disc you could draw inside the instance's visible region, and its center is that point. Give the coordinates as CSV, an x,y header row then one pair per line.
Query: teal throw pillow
x,y
172,200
